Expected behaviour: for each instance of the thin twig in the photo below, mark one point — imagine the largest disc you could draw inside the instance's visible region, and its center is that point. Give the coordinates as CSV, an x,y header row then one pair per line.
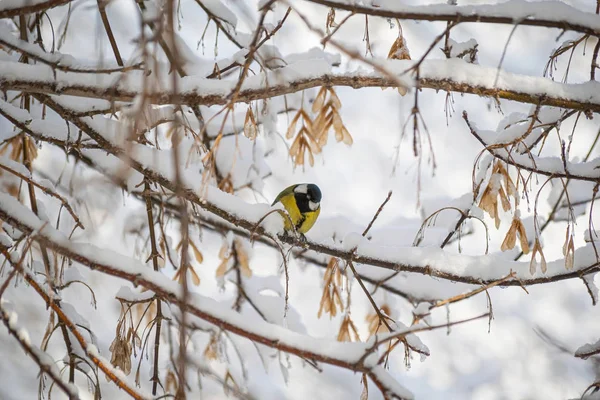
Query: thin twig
x,y
111,37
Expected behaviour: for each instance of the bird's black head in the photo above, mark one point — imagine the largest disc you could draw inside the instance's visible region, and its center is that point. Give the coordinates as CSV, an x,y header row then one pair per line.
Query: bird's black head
x,y
308,197
314,193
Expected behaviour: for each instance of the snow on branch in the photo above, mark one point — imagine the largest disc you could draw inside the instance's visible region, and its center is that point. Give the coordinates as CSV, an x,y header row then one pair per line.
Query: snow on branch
x,y
156,165
549,14
117,171
452,75
41,358
588,350
354,356
62,62
554,167
66,317
13,8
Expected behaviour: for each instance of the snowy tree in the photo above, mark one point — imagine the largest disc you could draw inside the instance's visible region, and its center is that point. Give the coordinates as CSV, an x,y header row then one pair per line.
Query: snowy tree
x,y
455,145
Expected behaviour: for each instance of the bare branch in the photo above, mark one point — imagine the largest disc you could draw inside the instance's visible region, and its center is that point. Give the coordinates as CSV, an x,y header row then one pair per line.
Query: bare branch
x,y
41,358
11,9
529,14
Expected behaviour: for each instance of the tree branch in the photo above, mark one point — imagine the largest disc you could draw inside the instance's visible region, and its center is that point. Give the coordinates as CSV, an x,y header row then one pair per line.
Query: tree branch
x,y
464,78
14,8
41,358
543,14
439,263
344,355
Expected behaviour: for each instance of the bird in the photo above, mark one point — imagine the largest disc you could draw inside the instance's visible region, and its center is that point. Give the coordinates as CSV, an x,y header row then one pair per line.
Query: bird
x,y
303,204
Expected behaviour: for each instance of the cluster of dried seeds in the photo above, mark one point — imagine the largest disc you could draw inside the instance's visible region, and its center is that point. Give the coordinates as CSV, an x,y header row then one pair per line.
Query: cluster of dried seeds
x,y
331,299
313,134
234,251
348,331
399,51
375,325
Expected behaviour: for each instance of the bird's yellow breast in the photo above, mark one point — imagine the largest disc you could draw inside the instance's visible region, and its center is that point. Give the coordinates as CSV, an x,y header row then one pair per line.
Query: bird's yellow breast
x,y
302,222
309,220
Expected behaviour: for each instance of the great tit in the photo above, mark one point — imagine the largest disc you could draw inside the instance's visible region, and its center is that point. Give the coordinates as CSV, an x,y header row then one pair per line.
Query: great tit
x,y
303,204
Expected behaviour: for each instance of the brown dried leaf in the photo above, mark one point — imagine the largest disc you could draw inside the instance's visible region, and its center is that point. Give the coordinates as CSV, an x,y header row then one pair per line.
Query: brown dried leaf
x,y
511,236
300,158
177,277
311,142
544,265
242,257
222,268
15,153
161,244
321,131
292,128
375,325
570,258
13,190
508,182
306,119
250,126
337,125
197,254
171,382
348,331
334,100
331,298
4,148
226,185
212,348
32,149
295,147
330,23
489,204
537,248
311,158
121,350
195,277
229,382
320,99
523,237
224,251
347,137
569,250
504,199
399,51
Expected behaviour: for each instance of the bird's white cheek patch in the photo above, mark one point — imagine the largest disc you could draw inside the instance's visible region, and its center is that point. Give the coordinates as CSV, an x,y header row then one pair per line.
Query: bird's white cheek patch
x,y
313,206
301,189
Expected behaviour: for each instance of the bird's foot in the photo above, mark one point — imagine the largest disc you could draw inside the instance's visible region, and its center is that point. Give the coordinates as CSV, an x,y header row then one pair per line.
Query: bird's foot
x,y
301,238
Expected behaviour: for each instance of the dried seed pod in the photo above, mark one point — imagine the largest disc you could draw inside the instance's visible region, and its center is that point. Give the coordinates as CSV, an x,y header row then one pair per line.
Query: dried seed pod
x,y
331,298
250,125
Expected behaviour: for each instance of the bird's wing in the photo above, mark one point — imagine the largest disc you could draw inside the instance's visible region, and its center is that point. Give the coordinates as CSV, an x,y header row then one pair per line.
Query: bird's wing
x,y
283,193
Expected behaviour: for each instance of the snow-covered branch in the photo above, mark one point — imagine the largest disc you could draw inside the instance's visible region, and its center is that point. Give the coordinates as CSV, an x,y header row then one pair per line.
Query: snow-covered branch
x,y
41,358
346,355
549,14
156,166
448,75
14,8
55,60
90,350
554,167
